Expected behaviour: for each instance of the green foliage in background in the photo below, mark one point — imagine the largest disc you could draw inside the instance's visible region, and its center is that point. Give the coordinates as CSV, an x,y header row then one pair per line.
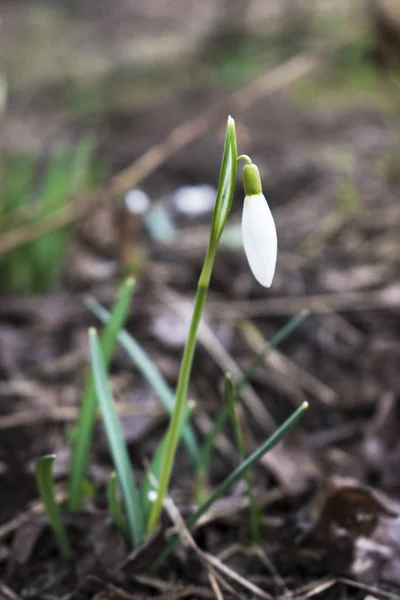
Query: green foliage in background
x,y
30,193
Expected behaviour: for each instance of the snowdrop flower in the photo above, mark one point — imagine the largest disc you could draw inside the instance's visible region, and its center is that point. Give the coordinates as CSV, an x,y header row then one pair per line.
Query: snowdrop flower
x,y
258,228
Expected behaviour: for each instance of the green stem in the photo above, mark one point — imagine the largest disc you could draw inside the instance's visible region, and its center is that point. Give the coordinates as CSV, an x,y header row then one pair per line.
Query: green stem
x,y
245,158
172,439
223,203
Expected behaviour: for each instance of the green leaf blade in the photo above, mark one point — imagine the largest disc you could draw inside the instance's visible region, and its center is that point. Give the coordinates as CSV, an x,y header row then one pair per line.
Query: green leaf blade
x,y
151,374
45,485
116,442
230,399
87,412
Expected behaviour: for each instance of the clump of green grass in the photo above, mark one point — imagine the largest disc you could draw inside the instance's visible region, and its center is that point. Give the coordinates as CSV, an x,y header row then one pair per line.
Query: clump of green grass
x,y
26,197
136,510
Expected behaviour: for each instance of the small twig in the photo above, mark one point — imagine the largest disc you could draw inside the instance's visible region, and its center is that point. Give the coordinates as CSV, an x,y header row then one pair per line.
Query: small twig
x,y
214,585
258,552
337,324
7,593
211,563
298,377
187,540
57,220
254,589
368,588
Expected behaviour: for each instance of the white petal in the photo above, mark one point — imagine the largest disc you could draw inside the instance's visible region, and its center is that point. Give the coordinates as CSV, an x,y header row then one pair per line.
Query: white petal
x,y
259,238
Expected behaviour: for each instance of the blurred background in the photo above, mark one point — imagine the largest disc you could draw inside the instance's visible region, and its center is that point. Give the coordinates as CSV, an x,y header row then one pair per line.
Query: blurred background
x,y
112,118
87,89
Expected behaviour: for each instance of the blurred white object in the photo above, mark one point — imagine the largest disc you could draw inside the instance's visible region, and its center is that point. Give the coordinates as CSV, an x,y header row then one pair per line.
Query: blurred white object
x,y
160,225
194,200
137,201
170,330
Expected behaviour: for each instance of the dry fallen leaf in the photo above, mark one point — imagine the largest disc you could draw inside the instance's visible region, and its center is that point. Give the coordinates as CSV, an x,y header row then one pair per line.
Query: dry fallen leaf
x,y
351,529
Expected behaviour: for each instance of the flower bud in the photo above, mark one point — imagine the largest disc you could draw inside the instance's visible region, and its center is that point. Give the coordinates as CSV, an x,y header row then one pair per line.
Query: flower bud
x,y
258,228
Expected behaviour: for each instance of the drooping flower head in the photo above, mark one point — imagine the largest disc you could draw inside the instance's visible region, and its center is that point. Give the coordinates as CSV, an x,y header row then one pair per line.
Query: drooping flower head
x,y
258,228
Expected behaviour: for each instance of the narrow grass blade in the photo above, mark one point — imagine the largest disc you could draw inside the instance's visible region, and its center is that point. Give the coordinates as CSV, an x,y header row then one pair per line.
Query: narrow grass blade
x,y
114,506
256,455
230,400
116,442
273,343
45,485
223,415
152,374
87,412
209,443
234,476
